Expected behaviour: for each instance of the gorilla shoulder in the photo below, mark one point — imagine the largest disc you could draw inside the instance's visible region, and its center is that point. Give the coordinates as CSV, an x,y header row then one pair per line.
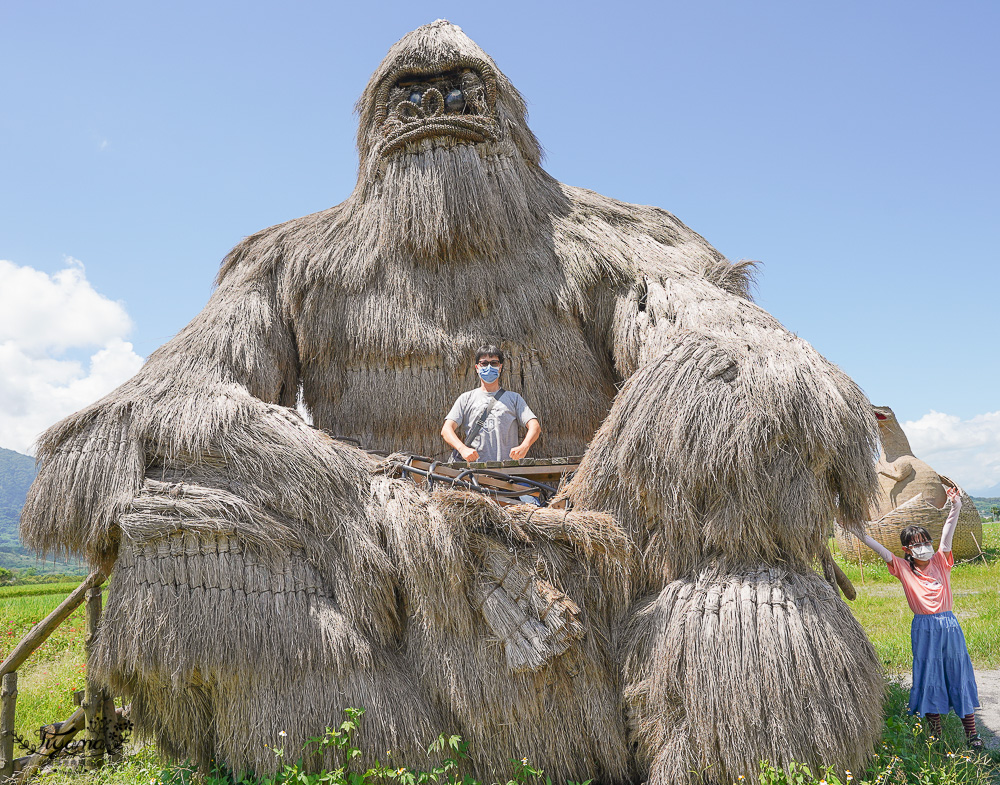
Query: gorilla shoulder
x,y
631,241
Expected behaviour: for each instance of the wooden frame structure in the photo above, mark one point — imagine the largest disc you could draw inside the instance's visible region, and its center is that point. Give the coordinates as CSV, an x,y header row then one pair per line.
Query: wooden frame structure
x,y
505,481
97,715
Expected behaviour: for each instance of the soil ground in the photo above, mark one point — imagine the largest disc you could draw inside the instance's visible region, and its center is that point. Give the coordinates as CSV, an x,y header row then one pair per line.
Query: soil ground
x,y
988,717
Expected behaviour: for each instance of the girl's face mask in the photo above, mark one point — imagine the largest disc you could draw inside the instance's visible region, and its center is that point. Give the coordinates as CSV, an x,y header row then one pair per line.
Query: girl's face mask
x,y
922,552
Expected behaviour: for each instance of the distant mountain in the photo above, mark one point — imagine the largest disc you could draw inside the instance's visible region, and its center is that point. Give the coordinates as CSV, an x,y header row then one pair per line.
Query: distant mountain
x,y
16,473
985,504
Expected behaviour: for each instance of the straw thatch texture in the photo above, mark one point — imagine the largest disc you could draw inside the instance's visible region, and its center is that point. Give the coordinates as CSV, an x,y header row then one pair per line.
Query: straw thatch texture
x,y
265,578
224,632
710,654
719,462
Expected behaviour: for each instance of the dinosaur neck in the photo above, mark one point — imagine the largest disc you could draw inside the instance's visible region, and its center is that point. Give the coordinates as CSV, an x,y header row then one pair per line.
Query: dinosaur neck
x,y
894,443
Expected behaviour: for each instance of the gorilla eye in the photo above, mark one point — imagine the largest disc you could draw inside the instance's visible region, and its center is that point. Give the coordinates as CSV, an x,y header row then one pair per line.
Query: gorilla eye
x,y
454,101
415,97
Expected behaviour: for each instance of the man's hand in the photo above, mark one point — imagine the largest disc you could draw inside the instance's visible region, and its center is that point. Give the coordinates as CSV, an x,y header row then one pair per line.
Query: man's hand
x,y
519,452
450,436
534,431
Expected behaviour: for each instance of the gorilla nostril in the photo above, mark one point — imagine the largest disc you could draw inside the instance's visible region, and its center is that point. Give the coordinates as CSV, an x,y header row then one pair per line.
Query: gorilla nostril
x,y
455,102
415,97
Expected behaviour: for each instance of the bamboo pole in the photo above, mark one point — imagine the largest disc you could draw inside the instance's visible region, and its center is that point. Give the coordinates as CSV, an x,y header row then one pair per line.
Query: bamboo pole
x,y
843,581
8,697
41,631
93,697
979,548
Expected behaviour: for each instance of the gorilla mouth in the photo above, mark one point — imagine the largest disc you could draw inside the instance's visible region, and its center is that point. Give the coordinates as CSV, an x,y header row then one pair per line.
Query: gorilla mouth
x,y
456,99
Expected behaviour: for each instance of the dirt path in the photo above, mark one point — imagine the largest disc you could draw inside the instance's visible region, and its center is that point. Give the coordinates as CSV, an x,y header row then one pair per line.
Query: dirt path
x,y
988,716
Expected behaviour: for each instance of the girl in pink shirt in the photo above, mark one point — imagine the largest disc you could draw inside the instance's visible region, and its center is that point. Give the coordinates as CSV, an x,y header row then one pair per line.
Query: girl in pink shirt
x,y
943,678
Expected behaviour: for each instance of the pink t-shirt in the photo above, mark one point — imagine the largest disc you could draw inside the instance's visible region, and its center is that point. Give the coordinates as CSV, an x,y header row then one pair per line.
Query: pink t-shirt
x,y
928,590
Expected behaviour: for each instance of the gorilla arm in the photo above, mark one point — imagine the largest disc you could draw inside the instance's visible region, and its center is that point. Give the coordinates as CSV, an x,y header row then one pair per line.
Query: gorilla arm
x,y
207,408
724,456
744,436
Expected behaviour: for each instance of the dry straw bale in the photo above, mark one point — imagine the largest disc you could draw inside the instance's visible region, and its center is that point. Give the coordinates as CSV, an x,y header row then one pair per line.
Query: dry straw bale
x,y
264,578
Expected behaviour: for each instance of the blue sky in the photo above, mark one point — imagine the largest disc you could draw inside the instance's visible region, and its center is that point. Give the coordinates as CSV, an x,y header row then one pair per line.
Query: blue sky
x,y
850,147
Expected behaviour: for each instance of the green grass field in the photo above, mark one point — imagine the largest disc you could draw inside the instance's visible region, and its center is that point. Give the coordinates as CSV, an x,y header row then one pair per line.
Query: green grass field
x,y
52,674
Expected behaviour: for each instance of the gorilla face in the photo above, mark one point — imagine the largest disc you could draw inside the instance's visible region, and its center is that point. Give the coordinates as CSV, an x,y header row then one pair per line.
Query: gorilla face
x,y
449,168
436,89
456,100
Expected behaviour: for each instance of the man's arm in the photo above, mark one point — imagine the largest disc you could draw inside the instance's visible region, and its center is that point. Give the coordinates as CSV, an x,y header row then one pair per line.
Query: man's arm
x,y
534,431
449,432
948,532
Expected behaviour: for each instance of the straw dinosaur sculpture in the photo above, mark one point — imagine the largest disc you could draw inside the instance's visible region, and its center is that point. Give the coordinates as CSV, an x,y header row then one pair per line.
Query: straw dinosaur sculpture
x,y
671,626
910,493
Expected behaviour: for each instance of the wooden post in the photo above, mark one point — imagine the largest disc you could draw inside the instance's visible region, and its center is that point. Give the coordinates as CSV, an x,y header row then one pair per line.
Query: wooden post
x,y
8,697
93,697
111,744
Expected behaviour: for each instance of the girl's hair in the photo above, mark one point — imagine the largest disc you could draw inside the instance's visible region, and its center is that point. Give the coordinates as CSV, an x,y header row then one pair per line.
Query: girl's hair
x,y
908,535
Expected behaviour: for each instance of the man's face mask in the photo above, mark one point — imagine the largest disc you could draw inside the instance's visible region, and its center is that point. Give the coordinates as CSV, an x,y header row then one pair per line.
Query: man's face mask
x,y
488,373
922,552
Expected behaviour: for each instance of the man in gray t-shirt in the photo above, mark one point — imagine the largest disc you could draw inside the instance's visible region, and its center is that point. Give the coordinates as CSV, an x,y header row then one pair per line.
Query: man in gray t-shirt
x,y
499,410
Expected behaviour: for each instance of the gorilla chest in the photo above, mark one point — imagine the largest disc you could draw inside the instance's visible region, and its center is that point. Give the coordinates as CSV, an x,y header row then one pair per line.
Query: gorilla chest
x,y
385,365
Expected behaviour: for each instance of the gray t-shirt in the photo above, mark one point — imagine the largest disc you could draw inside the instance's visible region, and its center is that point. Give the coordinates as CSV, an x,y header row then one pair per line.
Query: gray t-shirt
x,y
499,433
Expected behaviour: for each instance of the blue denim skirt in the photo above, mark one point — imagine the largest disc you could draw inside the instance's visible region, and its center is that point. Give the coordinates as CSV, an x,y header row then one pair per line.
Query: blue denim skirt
x,y
943,678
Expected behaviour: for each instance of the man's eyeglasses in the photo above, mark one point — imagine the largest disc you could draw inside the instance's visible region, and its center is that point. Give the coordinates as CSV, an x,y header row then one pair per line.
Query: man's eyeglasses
x,y
494,363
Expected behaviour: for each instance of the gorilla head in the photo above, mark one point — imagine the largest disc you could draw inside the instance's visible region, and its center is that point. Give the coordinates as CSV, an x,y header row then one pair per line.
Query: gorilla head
x,y
448,166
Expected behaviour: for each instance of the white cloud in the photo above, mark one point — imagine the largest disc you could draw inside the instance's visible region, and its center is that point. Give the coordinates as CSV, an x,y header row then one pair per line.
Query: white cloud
x,y
967,451
42,317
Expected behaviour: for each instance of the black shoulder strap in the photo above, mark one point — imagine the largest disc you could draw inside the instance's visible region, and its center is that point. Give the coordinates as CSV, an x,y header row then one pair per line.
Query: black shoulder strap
x,y
477,426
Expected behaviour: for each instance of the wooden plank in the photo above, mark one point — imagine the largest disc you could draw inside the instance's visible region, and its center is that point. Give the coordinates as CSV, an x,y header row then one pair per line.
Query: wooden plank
x,y
8,697
41,631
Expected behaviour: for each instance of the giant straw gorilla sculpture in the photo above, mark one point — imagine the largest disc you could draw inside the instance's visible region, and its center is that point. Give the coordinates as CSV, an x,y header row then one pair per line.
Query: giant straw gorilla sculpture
x,y
671,626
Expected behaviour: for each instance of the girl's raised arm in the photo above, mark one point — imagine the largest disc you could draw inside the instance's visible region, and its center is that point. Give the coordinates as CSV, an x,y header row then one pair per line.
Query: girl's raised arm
x,y
878,547
948,532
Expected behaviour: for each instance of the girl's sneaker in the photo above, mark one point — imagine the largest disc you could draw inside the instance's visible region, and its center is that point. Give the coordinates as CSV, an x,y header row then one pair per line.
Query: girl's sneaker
x,y
975,742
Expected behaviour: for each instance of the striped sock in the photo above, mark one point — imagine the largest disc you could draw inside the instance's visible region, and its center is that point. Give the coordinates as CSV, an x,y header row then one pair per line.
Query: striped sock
x,y
934,720
969,723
